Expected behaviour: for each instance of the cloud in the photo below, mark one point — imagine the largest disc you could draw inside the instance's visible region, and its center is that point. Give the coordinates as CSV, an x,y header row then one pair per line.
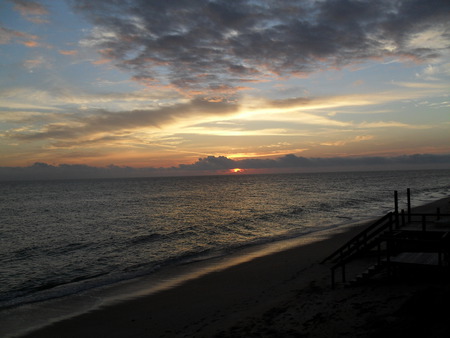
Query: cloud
x,y
101,61
347,141
78,122
60,96
434,72
12,36
422,85
31,10
213,165
32,64
29,7
106,122
392,124
293,161
68,52
198,46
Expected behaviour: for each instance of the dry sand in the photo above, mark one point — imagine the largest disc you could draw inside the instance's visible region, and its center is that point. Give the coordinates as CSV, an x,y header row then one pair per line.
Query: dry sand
x,y
283,294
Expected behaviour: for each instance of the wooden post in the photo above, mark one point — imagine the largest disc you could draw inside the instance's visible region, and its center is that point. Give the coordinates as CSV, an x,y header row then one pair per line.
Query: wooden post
x,y
396,207
408,192
379,253
332,279
388,255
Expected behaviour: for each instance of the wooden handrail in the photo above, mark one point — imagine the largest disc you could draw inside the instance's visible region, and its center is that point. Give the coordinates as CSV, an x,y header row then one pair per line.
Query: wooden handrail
x,y
430,214
376,227
365,236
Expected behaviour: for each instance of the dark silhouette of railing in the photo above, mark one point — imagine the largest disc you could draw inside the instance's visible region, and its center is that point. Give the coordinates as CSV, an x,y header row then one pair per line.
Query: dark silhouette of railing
x,y
363,242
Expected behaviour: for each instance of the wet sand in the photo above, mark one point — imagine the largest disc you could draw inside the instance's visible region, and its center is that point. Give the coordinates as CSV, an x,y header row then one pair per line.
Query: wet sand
x,y
281,294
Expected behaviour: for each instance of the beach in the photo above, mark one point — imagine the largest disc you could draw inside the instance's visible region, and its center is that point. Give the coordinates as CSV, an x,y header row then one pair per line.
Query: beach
x,y
285,293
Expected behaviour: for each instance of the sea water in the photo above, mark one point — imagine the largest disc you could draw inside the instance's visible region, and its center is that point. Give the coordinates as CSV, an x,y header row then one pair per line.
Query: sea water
x,y
63,237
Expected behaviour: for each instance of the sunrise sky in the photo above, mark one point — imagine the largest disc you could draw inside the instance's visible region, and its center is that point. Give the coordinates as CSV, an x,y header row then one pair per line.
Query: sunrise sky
x,y
163,83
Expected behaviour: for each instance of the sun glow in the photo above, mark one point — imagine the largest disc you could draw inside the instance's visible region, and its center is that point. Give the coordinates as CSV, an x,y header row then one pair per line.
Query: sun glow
x,y
237,170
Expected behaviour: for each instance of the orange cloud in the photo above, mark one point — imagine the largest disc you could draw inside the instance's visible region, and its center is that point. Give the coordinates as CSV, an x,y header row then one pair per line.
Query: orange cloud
x,y
101,61
68,52
9,36
30,44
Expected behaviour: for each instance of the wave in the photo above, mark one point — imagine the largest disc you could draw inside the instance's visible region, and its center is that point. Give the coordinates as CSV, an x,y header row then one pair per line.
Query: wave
x,y
144,239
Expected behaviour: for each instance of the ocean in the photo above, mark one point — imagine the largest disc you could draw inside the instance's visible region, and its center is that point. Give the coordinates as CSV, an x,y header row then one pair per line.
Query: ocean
x,y
63,237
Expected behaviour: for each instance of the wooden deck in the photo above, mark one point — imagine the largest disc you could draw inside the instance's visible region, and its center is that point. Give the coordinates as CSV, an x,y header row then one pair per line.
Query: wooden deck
x,y
418,258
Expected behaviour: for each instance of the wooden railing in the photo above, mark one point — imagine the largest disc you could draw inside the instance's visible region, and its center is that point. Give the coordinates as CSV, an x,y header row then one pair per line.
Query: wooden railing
x,y
366,240
363,240
424,218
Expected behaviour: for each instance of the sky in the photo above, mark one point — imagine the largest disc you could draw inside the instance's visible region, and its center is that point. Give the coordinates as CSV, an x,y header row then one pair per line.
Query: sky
x,y
214,85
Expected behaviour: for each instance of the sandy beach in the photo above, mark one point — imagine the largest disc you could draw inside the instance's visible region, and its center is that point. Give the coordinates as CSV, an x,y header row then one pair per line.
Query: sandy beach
x,y
282,294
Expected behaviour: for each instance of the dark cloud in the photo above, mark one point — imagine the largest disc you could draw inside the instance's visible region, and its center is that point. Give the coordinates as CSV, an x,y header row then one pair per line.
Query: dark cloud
x,y
293,161
210,163
197,45
44,171
214,165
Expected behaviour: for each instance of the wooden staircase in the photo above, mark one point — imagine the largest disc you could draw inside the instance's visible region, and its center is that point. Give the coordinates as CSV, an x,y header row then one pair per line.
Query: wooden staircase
x,y
367,274
370,238
390,242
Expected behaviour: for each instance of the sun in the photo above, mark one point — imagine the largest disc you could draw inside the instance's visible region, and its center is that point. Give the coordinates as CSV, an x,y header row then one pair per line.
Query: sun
x,y
237,170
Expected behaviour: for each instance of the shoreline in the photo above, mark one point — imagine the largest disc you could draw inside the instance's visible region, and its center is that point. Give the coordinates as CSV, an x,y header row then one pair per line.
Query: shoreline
x,y
217,298
55,310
